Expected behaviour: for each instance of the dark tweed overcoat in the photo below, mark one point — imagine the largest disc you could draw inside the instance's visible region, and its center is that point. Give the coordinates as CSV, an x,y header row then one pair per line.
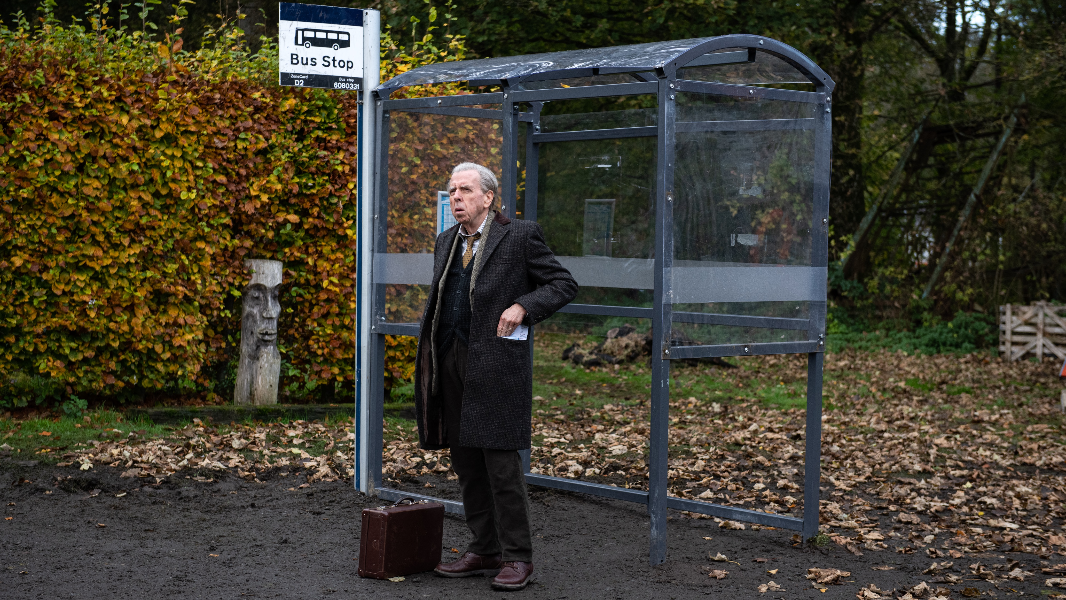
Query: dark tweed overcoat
x,y
513,264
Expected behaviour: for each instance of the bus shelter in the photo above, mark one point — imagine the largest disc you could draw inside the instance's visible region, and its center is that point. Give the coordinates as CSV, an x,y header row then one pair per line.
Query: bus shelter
x,y
685,183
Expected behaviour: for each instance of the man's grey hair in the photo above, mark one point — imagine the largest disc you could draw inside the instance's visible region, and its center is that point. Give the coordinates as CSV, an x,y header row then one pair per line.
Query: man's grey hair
x,y
488,180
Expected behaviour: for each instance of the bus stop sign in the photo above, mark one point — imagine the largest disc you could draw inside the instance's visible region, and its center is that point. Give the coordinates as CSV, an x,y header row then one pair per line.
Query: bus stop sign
x,y
320,46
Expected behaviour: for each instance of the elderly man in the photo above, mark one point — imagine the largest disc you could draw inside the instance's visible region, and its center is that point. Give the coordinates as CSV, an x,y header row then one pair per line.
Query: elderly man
x,y
492,279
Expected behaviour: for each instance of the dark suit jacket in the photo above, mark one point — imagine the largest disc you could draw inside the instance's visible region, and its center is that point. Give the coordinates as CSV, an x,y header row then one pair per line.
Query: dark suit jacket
x,y
515,266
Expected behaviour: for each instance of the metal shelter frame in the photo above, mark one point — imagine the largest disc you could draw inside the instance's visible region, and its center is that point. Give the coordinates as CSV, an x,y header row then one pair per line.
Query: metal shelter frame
x,y
655,70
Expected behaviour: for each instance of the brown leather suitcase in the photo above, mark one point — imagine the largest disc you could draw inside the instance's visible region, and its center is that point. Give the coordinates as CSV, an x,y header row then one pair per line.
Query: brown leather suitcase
x,y
401,539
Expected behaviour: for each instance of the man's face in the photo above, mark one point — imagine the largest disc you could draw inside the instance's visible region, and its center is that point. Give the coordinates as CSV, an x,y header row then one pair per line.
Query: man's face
x,y
469,203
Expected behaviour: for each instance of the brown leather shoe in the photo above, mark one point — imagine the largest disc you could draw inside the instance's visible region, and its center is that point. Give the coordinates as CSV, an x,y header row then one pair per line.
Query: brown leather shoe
x,y
470,564
514,575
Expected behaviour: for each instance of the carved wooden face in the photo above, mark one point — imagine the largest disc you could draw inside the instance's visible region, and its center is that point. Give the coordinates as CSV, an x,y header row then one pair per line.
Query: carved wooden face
x,y
259,320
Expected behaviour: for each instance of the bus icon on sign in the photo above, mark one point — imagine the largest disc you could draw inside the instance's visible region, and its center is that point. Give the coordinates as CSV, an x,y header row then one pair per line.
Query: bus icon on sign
x,y
322,38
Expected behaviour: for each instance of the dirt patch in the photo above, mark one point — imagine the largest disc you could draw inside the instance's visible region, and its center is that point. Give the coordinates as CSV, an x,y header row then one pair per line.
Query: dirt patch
x,y
232,537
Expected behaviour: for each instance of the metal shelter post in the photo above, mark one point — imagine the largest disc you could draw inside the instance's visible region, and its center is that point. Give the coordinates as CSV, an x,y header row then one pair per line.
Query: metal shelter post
x,y
812,464
659,449
509,155
376,345
529,212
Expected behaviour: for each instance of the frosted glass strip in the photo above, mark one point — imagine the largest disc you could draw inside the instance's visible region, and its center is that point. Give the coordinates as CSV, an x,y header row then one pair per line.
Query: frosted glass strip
x,y
747,284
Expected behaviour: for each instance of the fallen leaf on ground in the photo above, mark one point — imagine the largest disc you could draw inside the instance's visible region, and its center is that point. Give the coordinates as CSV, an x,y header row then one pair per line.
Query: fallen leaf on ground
x,y
980,571
101,525
935,568
719,557
770,587
971,592
396,578
719,574
883,568
827,575
922,590
1055,582
1018,574
872,592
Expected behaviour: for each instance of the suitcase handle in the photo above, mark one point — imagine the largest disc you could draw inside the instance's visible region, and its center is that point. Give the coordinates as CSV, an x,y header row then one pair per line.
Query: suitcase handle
x,y
404,502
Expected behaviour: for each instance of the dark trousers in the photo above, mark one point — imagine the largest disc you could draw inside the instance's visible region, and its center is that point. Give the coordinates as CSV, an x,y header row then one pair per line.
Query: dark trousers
x,y
492,481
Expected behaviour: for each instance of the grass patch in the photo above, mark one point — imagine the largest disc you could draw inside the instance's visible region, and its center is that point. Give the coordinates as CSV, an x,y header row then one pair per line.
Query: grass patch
x,y
398,428
918,384
784,396
562,385
821,540
47,440
926,334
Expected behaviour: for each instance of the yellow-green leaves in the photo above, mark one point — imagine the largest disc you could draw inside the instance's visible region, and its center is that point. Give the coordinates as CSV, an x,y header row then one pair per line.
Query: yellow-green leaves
x,y
133,194
138,177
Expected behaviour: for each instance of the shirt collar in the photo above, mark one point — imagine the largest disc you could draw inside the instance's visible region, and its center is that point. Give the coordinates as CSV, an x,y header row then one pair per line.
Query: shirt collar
x,y
479,229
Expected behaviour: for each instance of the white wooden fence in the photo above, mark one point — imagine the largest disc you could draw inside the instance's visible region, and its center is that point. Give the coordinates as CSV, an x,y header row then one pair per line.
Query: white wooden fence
x,y
1032,330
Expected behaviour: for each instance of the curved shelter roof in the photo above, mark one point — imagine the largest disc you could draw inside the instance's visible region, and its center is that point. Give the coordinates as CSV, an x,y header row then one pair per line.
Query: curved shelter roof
x,y
662,57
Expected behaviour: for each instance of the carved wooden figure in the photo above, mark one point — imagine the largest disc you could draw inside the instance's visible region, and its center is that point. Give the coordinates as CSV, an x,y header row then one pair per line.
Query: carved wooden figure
x,y
260,366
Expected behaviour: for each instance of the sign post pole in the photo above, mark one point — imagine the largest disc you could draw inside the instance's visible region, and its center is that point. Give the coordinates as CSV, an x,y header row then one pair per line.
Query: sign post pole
x,y
367,135
339,48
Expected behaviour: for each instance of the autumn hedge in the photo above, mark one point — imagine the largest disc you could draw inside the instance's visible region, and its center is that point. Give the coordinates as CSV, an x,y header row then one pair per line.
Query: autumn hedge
x,y
136,178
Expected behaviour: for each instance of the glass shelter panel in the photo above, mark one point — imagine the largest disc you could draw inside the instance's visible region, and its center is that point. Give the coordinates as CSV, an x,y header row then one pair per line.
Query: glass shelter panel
x,y
744,186
611,79
702,334
423,149
596,203
600,113
743,67
594,411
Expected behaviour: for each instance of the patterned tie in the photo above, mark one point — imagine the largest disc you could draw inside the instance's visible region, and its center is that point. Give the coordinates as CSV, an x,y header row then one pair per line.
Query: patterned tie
x,y
470,248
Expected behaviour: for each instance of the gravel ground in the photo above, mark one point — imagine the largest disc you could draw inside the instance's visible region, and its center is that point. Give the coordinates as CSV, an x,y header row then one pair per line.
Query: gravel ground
x,y
92,534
